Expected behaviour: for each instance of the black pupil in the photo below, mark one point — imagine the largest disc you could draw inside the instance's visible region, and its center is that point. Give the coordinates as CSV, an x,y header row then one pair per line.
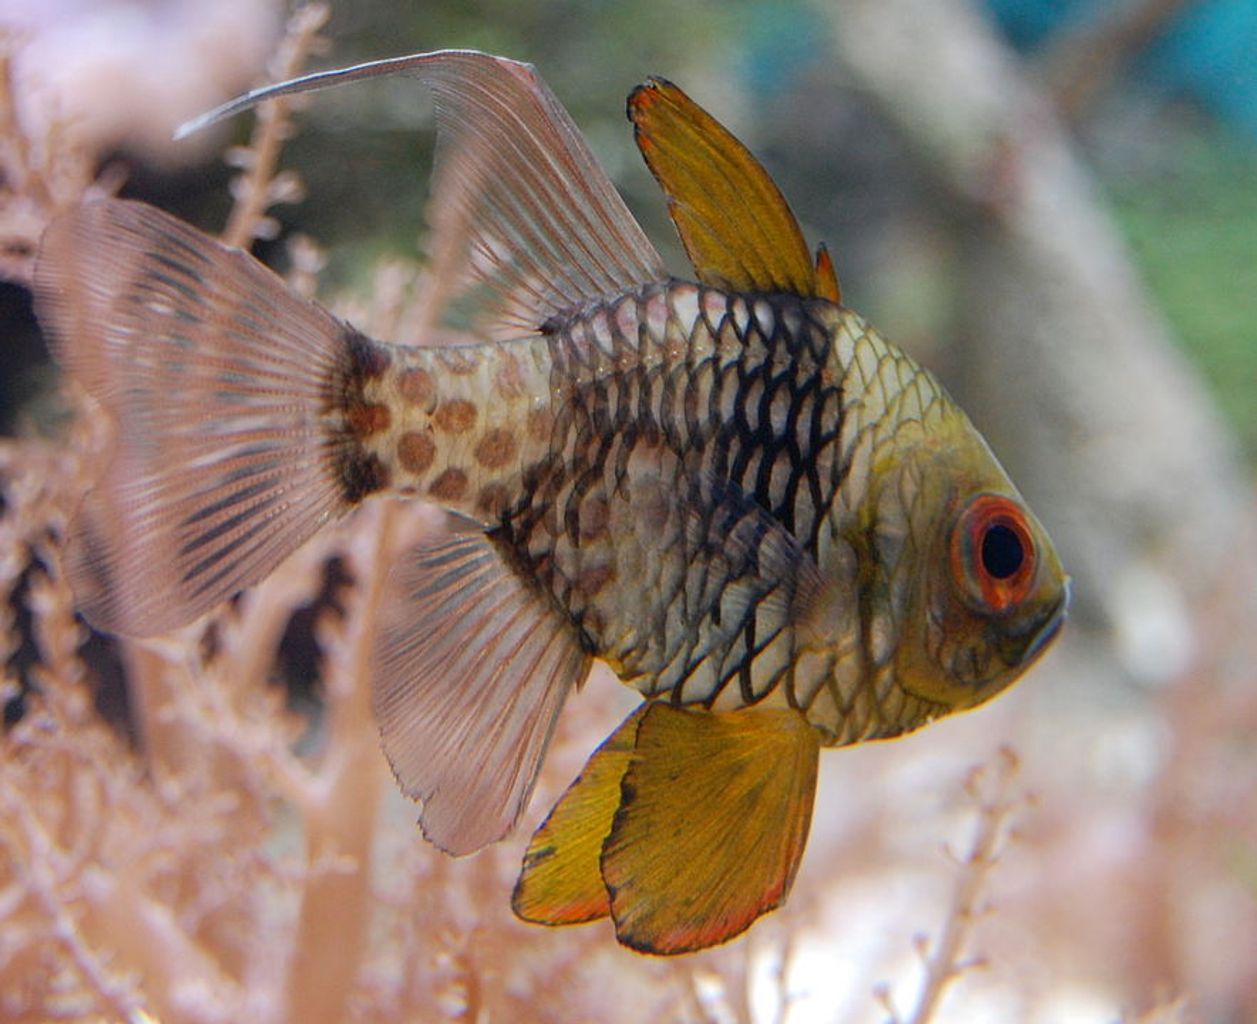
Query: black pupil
x,y
1002,553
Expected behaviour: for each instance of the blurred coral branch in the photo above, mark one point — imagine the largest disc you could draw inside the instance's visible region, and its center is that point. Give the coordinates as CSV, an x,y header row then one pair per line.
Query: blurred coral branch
x,y
341,820
990,788
259,186
1080,64
39,174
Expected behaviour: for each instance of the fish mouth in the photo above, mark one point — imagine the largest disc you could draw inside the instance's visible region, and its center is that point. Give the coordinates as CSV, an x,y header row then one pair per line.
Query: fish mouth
x,y
1051,626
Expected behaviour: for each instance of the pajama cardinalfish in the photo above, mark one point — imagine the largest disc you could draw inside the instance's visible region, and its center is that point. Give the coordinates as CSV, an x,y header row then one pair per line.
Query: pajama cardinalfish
x,y
731,489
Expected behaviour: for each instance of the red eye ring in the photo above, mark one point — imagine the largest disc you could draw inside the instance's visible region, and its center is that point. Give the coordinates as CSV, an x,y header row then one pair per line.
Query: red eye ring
x,y
993,553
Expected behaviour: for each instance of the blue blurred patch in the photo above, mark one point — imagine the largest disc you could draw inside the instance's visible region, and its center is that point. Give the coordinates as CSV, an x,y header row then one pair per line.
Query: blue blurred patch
x,y
777,43
1027,24
1208,53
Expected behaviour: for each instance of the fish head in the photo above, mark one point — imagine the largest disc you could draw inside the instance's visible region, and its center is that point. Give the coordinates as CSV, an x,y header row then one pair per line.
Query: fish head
x,y
990,594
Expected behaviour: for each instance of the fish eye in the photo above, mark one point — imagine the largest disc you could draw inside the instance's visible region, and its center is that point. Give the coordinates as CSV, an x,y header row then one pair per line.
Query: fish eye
x,y
993,553
1002,551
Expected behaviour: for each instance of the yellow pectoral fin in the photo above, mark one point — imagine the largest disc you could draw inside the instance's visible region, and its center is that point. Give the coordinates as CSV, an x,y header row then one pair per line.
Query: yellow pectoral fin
x,y
561,882
711,826
736,226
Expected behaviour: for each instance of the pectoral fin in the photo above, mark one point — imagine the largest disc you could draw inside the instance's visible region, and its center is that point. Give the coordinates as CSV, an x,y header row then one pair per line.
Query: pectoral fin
x,y
737,228
685,826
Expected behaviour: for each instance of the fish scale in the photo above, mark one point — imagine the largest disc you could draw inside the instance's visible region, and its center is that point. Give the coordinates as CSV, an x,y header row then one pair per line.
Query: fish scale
x,y
766,518
662,414
743,395
730,400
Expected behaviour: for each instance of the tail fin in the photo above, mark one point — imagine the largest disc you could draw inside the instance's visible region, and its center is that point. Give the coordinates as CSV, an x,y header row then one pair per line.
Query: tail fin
x,y
226,389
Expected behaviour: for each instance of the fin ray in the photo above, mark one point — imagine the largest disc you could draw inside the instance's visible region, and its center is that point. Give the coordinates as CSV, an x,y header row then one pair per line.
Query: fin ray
x,y
220,381
518,197
775,572
471,671
736,226
561,880
713,819
685,826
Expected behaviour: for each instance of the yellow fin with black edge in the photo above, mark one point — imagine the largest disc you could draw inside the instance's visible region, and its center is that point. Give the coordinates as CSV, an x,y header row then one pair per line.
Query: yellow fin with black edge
x,y
714,815
561,882
737,228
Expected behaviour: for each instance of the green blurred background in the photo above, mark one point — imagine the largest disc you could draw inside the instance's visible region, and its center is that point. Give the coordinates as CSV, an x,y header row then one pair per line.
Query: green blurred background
x,y
1167,120
1170,132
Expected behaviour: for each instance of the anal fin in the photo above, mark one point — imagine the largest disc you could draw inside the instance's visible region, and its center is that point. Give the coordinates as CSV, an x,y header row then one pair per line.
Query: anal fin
x,y
471,671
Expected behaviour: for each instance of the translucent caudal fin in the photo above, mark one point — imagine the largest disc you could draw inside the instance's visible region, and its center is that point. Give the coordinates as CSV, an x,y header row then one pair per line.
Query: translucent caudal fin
x,y
226,391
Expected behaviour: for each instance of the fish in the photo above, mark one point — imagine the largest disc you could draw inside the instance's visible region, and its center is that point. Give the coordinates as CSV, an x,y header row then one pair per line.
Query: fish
x,y
726,485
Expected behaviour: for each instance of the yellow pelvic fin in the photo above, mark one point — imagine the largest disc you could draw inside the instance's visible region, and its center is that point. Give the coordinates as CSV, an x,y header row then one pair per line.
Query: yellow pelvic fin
x,y
561,882
736,226
685,825
714,814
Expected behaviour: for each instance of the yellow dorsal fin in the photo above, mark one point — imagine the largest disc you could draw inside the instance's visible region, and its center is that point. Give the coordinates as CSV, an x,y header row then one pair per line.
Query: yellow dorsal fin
x,y
713,818
736,226
827,286
561,882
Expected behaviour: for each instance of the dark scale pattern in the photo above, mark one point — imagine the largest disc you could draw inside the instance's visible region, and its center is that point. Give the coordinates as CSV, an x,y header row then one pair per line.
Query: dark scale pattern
x,y
779,466
701,450
360,472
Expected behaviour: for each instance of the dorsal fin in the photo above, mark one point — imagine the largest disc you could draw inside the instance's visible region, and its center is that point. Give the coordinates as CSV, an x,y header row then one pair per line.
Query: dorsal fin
x,y
736,226
827,286
518,197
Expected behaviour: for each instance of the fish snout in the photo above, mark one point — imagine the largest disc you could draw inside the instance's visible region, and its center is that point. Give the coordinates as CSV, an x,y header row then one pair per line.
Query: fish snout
x,y
1034,630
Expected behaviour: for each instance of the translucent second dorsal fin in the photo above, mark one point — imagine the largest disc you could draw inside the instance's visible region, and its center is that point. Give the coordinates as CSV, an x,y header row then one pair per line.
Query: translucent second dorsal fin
x,y
518,197
736,226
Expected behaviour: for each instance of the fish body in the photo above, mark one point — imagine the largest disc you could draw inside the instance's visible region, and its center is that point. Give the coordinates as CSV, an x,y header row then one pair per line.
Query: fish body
x,y
769,520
